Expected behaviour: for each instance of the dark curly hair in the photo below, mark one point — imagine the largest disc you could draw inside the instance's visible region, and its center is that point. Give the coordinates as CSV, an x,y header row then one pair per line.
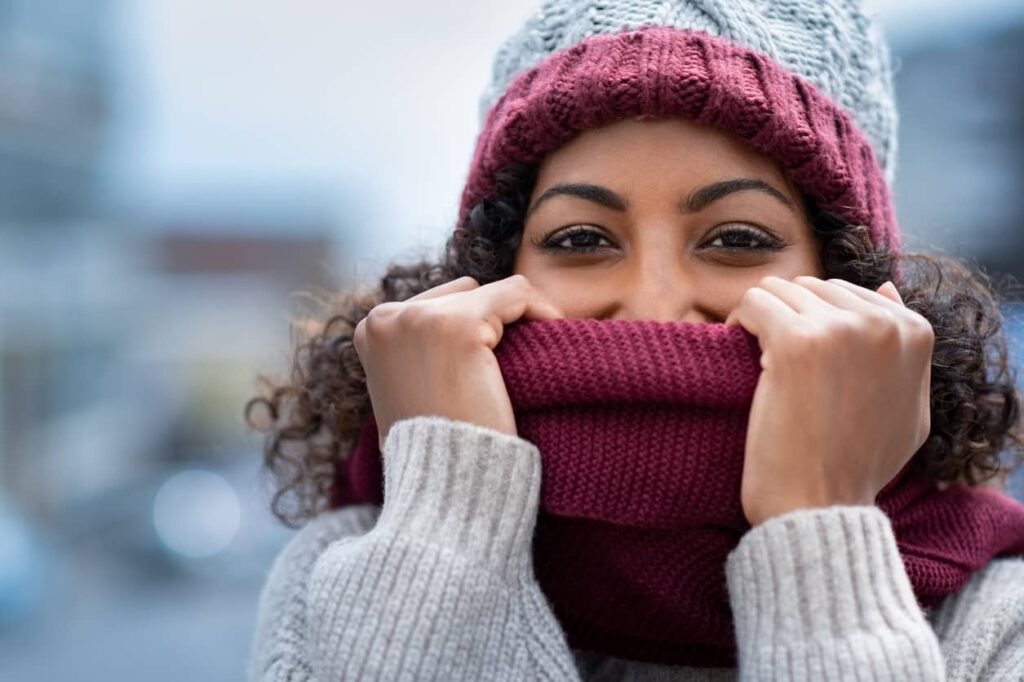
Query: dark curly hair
x,y
313,418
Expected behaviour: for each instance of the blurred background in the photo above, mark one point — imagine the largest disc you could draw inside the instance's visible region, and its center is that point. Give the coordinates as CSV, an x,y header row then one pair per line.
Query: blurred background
x,y
172,172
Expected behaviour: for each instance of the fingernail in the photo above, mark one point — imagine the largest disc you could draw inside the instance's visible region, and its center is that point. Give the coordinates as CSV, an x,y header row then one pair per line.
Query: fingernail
x,y
894,290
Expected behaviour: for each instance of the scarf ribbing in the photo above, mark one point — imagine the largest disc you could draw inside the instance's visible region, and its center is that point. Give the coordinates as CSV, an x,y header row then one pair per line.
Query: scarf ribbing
x,y
641,428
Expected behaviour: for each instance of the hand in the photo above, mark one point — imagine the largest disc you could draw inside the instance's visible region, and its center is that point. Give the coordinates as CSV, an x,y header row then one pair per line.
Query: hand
x,y
843,401
432,354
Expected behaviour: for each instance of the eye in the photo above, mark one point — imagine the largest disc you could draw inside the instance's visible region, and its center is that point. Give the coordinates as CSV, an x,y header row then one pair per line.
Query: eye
x,y
744,238
581,240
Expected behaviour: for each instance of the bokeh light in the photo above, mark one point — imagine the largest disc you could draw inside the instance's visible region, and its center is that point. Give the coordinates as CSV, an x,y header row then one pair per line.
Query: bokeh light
x,y
196,513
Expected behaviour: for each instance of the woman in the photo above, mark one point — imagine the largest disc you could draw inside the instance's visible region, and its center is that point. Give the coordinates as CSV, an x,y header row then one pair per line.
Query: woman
x,y
644,174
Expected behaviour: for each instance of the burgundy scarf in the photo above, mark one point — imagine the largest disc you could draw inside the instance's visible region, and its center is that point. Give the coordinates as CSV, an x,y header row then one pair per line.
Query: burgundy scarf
x,y
641,428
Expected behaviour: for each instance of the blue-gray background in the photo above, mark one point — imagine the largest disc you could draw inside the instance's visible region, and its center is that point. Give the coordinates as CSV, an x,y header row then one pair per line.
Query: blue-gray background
x,y
173,171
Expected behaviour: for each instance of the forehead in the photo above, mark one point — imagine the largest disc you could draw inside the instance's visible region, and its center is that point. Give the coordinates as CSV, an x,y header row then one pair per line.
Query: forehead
x,y
670,151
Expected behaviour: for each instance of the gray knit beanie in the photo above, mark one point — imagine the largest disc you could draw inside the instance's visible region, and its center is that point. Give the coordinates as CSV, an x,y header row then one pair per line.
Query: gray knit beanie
x,y
831,43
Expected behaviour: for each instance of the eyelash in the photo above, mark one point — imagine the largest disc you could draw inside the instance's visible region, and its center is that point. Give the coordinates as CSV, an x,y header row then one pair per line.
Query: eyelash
x,y
547,242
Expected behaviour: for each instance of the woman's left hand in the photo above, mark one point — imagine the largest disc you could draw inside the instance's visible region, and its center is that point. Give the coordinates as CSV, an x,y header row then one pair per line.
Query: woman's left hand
x,y
843,401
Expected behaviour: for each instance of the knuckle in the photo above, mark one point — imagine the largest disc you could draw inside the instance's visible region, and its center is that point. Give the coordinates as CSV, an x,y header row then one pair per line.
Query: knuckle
x,y
381,312
846,323
751,294
519,281
882,325
469,279
429,319
922,329
359,336
878,315
806,339
417,316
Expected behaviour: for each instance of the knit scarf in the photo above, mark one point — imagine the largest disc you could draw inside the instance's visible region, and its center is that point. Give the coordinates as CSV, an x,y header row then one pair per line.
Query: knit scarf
x,y
641,427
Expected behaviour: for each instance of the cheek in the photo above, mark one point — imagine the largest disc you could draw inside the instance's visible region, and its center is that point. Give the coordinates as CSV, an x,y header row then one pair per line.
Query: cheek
x,y
725,289
578,292
725,293
563,287
721,297
525,263
804,260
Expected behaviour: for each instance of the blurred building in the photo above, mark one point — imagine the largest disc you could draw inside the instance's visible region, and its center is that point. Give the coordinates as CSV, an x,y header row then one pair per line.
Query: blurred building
x,y
53,115
126,342
53,66
961,167
122,351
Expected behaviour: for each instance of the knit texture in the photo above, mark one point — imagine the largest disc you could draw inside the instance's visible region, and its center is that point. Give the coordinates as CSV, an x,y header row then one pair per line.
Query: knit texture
x,y
817,594
641,426
454,598
656,72
834,45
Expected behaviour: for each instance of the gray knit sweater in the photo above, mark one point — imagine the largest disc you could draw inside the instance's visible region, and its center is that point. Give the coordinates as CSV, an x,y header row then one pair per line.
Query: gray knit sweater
x,y
438,585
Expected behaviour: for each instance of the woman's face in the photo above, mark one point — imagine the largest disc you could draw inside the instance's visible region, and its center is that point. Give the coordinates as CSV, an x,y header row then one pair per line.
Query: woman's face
x,y
660,220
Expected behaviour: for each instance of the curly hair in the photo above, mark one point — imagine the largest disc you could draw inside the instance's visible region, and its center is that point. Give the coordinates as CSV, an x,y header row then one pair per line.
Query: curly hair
x,y
313,418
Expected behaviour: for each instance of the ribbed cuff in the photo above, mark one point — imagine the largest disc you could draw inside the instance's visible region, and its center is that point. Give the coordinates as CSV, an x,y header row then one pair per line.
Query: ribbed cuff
x,y
469,488
827,585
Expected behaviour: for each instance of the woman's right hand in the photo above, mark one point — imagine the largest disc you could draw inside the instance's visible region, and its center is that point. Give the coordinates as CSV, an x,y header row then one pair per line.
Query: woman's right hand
x,y
433,354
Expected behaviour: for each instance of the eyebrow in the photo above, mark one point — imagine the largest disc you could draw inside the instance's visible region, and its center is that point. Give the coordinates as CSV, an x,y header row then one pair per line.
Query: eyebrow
x,y
697,201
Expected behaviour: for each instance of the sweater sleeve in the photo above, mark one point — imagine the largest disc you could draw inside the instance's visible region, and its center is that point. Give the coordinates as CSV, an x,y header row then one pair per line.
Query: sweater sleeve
x,y
822,594
279,648
442,587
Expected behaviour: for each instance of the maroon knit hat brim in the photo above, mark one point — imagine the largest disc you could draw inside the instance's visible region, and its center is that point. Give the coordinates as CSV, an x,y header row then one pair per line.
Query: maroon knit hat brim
x,y
662,72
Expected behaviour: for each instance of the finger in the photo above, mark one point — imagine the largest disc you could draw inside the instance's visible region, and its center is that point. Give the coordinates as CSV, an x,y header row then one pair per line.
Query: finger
x,y
798,297
762,313
838,296
868,295
465,283
514,297
889,290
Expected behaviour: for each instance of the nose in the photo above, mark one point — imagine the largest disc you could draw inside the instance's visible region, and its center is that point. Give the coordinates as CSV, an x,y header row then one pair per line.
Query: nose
x,y
663,292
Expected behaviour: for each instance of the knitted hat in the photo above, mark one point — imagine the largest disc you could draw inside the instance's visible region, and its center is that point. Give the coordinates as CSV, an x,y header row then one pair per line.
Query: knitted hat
x,y
805,83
